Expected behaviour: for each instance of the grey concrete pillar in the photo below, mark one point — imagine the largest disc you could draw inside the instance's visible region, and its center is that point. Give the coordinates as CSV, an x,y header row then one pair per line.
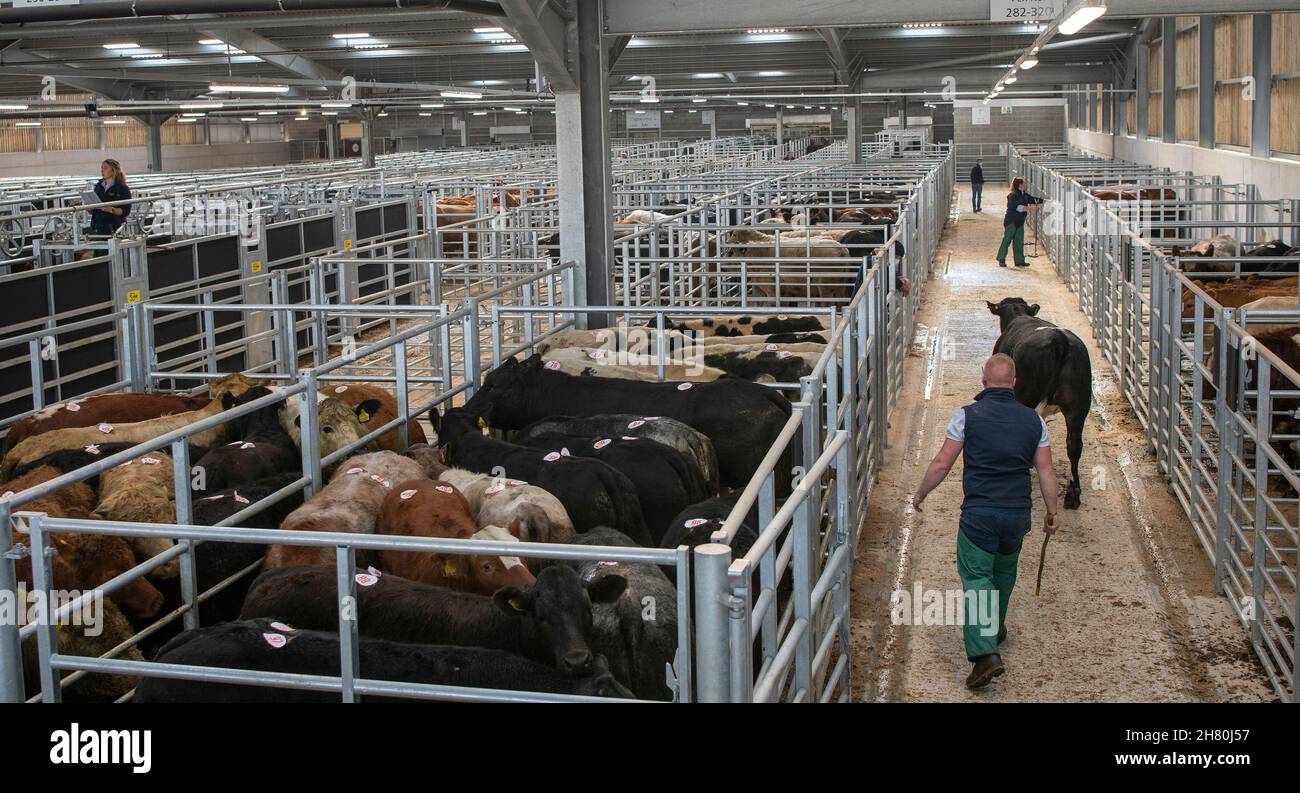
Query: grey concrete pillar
x,y
853,136
330,128
153,143
1206,82
1261,123
582,154
780,126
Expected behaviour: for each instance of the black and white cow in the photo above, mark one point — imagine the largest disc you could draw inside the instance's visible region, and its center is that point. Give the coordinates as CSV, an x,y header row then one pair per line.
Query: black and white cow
x,y
1053,373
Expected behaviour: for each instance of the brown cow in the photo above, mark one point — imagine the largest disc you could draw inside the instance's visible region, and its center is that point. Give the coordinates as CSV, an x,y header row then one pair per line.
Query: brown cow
x,y
425,508
1237,292
36,447
142,491
82,561
119,409
350,503
358,394
533,514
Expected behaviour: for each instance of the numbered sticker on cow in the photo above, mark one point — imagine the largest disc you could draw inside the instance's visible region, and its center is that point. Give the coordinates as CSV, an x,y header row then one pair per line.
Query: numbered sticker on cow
x,y
552,457
238,498
596,354
553,365
445,489
351,471
634,424
105,428
72,406
496,487
602,443
684,386
693,522
370,569
366,579
340,389
91,449
280,626
406,495
150,460
276,640
784,354
773,347
247,446
564,452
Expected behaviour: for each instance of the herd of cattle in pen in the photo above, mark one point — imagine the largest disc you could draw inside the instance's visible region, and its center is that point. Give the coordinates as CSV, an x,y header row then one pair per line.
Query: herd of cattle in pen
x,y
588,460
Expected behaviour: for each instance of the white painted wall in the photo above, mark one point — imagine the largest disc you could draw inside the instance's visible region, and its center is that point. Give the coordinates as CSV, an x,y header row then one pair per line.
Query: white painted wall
x,y
1275,178
175,158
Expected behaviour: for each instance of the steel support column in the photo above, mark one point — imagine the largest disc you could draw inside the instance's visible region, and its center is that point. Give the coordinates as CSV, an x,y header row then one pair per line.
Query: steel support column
x,y
153,143
582,154
1143,91
1261,117
853,136
1169,79
1205,82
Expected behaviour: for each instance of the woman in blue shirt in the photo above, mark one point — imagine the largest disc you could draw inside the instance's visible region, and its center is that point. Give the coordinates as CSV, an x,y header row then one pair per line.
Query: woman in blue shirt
x,y
112,187
1019,204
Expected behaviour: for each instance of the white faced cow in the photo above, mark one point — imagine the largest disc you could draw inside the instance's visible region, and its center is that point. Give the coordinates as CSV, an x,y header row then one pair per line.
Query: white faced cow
x,y
1053,374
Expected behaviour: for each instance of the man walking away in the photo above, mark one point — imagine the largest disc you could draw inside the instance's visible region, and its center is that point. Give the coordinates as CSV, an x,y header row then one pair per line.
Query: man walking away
x,y
999,440
977,186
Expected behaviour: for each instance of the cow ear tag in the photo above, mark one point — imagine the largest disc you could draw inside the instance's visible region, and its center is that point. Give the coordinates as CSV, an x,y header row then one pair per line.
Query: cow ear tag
x,y
363,417
516,604
482,424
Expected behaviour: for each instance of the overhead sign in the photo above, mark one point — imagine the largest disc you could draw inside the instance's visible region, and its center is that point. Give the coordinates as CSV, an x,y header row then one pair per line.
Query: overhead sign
x,y
980,115
706,116
647,119
1024,10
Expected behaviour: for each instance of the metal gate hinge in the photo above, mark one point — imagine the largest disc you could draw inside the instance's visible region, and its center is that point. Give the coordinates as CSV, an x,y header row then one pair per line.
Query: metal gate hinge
x,y
17,552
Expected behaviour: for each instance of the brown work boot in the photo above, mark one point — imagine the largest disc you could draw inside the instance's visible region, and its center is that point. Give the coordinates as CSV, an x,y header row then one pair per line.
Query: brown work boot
x,y
986,668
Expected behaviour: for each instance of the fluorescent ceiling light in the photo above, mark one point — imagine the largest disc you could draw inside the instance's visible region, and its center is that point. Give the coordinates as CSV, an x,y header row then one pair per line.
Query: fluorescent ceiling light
x,y
247,118
13,107
699,101
707,75
512,109
369,46
235,88
1083,16
433,105
914,25
336,104
789,107
489,82
28,124
351,35
649,100
1028,63
639,112
123,45
329,112
186,120
692,111
193,115
146,55
1011,79
267,113
770,74
201,106
743,104
489,30
381,115
756,31
807,107
514,48
479,113
211,42
669,112
426,114
302,118
456,94
769,105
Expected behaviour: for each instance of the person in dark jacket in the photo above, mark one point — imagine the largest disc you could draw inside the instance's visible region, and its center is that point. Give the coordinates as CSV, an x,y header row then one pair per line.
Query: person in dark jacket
x,y
999,440
112,187
1019,205
977,186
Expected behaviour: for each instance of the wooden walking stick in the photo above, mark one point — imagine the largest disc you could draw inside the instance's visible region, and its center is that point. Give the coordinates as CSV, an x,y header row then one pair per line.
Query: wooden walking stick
x,y
1042,557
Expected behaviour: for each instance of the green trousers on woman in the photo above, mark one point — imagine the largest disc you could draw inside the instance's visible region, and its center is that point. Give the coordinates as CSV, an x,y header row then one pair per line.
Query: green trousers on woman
x,y
1012,233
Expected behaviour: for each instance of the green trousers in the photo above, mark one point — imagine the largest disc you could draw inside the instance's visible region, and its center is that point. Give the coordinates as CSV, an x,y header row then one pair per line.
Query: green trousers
x,y
1012,234
986,578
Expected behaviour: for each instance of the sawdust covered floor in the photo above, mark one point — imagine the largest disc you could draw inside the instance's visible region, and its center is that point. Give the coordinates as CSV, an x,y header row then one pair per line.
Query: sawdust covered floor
x,y
1128,610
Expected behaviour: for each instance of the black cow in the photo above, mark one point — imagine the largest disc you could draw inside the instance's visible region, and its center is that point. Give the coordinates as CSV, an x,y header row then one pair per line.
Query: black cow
x,y
759,366
593,493
1053,370
865,242
264,449
742,419
549,622
696,524
665,480
1276,248
695,445
263,646
746,325
638,632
